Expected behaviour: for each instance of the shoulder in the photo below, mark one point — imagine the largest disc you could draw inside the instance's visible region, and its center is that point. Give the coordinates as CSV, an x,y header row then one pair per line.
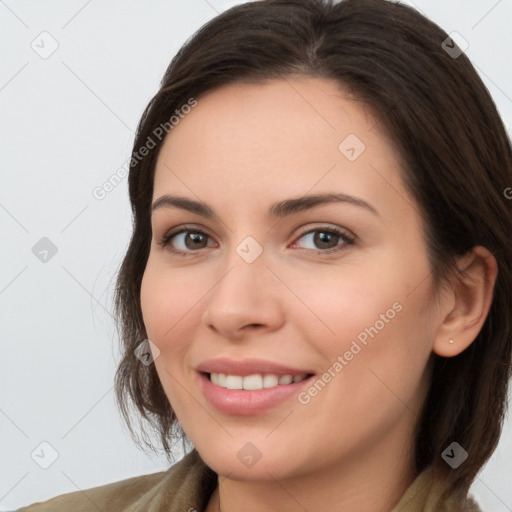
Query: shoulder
x,y
188,478
114,495
426,494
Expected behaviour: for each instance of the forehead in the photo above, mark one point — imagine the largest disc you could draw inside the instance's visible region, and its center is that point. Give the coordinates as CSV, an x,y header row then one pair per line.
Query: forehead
x,y
281,137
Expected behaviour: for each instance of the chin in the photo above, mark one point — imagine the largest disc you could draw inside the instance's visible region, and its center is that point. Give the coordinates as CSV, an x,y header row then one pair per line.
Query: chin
x,y
240,459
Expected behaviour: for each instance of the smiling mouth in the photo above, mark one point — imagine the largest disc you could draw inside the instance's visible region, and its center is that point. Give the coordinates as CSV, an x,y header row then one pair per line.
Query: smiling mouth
x,y
255,381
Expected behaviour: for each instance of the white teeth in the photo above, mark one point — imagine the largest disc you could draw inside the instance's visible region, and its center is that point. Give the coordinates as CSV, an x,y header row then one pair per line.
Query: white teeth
x,y
234,382
286,379
221,379
255,381
270,380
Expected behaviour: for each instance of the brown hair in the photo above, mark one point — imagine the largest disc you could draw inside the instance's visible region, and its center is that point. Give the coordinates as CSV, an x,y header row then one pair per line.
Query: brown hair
x,y
457,164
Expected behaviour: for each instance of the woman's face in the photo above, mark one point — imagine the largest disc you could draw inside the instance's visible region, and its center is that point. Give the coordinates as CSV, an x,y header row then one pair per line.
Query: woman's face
x,y
268,283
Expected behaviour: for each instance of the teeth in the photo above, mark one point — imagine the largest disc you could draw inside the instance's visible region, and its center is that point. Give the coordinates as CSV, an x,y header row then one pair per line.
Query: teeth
x,y
270,380
234,382
286,379
221,379
255,381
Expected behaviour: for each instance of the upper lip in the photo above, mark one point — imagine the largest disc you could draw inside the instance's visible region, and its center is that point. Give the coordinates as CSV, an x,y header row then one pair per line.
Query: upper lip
x,y
245,367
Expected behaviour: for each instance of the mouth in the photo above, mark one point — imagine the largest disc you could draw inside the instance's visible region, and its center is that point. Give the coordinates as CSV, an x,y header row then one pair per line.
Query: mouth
x,y
250,386
255,381
253,394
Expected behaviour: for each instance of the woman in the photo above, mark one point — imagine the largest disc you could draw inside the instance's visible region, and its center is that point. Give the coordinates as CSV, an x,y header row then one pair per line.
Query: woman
x,y
316,294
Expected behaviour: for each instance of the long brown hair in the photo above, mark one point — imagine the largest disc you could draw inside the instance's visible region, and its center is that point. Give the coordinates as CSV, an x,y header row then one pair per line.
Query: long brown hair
x,y
457,164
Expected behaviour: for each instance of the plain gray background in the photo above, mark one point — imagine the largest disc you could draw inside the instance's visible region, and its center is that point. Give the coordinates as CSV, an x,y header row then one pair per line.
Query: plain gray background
x,y
67,124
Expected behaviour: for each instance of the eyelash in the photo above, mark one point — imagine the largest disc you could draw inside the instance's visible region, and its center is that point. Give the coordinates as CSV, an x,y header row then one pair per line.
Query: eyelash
x,y
347,239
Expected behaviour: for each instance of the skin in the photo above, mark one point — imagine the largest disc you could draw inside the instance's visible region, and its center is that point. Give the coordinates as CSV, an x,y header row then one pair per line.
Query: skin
x,y
243,147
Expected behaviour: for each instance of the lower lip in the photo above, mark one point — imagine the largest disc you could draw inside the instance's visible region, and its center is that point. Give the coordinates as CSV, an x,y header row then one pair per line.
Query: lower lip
x,y
247,402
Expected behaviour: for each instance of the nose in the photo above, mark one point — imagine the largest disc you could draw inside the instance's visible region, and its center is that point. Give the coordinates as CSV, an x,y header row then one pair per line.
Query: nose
x,y
245,299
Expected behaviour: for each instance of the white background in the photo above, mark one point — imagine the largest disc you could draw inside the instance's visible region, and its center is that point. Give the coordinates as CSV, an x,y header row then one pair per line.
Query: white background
x,y
67,124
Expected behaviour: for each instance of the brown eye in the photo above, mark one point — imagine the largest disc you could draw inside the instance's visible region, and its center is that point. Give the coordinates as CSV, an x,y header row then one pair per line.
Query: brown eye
x,y
194,241
185,241
326,240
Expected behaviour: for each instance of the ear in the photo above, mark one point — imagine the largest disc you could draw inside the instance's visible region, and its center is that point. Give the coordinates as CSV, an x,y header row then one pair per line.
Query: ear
x,y
464,307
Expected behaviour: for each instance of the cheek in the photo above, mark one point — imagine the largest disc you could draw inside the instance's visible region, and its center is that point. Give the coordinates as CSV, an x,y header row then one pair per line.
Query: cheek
x,y
167,303
341,301
373,315
376,357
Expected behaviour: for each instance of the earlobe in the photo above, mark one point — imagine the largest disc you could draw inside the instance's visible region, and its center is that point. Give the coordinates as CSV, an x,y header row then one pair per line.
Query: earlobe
x,y
470,299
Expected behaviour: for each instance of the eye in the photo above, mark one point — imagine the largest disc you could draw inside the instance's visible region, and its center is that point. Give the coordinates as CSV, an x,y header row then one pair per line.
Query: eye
x,y
187,240
326,239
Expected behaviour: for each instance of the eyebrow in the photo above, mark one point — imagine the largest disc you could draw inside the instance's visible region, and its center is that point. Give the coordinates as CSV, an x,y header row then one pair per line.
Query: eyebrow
x,y
279,209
